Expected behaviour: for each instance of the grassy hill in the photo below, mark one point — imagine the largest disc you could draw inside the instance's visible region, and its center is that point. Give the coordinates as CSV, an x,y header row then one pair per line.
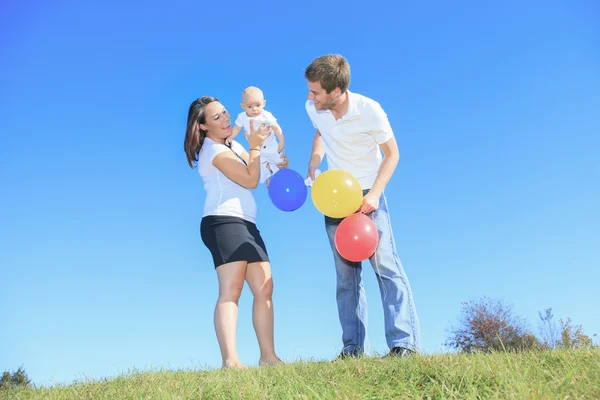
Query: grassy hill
x,y
558,374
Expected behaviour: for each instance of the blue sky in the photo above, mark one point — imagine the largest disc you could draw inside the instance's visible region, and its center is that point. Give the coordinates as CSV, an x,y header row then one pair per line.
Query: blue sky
x,y
494,107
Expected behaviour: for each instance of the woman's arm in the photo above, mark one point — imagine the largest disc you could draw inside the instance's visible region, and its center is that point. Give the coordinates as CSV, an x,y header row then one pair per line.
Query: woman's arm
x,y
229,164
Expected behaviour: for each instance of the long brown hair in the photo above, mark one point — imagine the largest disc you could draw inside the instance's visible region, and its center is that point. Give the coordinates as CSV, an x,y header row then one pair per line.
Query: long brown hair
x,y
194,135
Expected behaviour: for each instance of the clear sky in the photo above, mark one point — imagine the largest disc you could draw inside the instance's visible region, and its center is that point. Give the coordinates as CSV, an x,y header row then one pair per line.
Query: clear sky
x,y
495,107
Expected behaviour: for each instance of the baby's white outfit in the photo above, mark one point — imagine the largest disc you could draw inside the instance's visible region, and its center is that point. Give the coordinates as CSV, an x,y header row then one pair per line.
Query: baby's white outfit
x,y
269,156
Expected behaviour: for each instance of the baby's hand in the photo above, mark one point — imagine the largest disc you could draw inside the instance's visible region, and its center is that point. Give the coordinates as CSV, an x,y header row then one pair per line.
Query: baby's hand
x,y
280,146
228,141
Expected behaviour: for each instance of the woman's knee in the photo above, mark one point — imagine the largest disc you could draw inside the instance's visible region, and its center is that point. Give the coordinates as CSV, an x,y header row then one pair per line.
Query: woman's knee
x,y
265,290
230,292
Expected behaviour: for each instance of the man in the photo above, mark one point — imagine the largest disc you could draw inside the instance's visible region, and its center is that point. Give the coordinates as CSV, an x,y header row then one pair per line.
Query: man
x,y
353,131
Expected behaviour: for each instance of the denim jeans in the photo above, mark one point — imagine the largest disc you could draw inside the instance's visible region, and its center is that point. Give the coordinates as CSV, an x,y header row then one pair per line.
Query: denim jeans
x,y
400,317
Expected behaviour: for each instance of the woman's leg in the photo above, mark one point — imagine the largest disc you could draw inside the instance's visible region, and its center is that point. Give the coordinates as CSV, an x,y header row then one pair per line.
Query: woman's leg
x,y
258,276
231,282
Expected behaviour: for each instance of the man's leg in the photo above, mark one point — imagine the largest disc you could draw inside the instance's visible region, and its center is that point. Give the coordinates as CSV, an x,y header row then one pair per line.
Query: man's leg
x,y
350,295
400,316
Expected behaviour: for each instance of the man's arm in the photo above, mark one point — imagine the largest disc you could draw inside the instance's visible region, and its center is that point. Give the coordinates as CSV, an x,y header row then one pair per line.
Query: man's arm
x,y
318,151
391,156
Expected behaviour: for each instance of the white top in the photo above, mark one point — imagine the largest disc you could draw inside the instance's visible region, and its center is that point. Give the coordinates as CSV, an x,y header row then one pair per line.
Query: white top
x,y
223,196
270,143
352,142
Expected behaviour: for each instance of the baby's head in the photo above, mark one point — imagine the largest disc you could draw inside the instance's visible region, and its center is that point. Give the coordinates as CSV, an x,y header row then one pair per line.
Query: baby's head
x,y
253,101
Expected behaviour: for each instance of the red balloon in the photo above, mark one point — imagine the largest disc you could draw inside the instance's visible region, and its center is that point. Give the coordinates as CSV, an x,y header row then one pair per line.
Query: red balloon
x,y
356,237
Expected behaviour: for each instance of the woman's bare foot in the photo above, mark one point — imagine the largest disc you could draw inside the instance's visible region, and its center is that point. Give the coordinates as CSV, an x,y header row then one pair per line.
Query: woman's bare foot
x,y
233,364
267,362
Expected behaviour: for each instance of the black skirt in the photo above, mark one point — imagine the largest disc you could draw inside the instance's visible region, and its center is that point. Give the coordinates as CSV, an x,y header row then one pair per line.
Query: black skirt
x,y
232,239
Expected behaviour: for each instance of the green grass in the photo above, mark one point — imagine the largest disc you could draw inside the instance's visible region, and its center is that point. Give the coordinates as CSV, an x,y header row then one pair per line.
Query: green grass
x,y
558,374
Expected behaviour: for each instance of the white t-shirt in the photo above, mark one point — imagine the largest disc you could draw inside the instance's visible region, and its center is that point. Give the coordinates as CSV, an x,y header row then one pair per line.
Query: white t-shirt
x,y
223,196
352,142
270,143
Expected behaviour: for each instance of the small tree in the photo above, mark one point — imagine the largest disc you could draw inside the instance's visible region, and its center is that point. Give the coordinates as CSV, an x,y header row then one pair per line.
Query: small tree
x,y
487,325
20,378
573,337
5,381
549,332
17,379
567,336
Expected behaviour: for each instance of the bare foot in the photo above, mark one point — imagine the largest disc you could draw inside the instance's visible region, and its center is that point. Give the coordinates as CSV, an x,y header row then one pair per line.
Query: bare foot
x,y
270,173
233,364
268,362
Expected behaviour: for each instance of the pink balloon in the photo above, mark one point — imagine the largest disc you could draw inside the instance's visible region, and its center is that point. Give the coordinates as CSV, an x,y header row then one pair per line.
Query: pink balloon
x,y
356,237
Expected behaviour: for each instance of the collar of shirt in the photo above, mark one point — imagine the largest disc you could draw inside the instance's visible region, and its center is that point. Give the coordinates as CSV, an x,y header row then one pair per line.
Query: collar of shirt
x,y
352,113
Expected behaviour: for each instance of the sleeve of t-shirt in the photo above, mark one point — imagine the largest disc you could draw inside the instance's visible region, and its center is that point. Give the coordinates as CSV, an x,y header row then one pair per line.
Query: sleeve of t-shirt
x,y
380,129
308,105
270,118
237,147
215,149
239,120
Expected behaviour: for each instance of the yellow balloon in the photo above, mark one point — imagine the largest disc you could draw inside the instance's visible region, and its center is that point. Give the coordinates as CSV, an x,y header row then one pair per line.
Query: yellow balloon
x,y
336,193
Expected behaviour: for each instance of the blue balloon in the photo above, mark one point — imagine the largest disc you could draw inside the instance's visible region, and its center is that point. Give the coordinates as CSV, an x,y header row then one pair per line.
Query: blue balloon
x,y
287,190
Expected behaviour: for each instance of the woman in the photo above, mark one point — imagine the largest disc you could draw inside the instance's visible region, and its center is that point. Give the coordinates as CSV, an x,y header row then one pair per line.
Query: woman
x,y
228,226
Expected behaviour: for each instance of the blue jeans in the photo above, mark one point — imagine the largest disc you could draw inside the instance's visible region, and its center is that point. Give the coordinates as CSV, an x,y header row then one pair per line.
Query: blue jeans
x,y
400,316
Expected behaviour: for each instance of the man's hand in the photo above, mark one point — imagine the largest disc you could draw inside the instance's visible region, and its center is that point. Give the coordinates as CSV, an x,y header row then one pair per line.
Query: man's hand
x,y
370,203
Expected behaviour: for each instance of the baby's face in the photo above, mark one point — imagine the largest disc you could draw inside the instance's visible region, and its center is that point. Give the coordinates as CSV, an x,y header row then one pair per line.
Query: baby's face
x,y
253,105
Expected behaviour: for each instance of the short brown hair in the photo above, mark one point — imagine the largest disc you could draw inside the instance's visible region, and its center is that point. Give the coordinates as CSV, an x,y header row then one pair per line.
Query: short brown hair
x,y
331,70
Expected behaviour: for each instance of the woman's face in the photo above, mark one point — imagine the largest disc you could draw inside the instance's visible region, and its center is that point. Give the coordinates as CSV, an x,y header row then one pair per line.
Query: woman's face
x,y
217,121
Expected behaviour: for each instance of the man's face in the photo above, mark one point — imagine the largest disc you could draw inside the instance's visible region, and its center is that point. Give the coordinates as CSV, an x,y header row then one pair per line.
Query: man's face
x,y
320,97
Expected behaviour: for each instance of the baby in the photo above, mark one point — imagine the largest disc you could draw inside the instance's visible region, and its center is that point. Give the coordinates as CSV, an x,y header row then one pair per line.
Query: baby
x,y
253,103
